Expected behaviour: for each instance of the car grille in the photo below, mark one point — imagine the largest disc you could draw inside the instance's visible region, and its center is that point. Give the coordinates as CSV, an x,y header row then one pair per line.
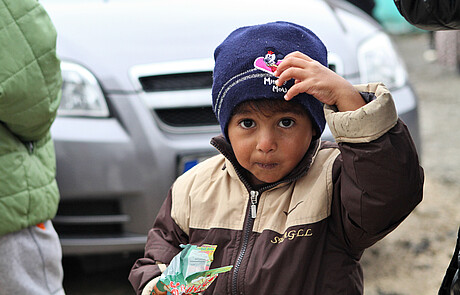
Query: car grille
x,y
187,117
174,82
178,115
89,217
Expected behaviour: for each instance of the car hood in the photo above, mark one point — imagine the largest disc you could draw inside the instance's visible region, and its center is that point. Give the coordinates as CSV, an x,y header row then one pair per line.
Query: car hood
x,y
111,37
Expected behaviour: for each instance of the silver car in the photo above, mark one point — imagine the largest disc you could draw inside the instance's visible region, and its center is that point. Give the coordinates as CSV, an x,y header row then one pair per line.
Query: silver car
x,y
135,109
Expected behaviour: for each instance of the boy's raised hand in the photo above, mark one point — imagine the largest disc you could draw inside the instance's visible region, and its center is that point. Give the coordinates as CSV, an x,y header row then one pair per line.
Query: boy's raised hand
x,y
315,79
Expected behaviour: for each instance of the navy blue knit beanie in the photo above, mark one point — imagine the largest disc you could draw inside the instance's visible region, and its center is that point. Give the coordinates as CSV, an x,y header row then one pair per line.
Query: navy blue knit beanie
x,y
245,63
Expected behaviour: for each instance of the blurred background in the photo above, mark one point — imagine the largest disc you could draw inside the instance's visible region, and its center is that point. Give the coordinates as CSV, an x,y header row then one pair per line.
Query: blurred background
x,y
413,258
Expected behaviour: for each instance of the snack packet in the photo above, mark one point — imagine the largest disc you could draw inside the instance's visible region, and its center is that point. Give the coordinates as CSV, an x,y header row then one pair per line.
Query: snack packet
x,y
188,272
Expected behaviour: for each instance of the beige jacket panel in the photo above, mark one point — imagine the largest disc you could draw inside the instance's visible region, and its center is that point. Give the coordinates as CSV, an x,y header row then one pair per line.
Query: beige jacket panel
x,y
203,184
304,201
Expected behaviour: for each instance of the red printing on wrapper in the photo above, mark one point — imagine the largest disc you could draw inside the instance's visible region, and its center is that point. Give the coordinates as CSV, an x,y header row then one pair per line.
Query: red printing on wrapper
x,y
178,288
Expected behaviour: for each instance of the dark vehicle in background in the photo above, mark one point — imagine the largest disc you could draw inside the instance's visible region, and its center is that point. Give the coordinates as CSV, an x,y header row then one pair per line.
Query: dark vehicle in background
x,y
136,111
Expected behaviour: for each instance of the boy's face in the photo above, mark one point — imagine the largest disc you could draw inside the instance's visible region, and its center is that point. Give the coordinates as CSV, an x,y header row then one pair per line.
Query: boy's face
x,y
269,142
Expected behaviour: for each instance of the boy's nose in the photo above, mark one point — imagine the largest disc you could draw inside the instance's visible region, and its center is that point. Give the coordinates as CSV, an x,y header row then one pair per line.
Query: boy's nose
x,y
266,142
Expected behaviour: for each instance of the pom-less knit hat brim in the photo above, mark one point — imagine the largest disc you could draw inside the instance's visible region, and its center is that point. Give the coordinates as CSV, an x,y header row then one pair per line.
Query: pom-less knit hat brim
x,y
245,63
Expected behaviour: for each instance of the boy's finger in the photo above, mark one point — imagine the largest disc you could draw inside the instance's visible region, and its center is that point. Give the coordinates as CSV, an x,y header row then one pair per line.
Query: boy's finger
x,y
291,73
293,91
288,64
292,61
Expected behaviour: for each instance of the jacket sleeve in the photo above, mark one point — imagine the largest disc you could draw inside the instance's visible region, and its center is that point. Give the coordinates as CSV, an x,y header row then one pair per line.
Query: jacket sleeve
x,y
163,243
378,179
432,15
30,75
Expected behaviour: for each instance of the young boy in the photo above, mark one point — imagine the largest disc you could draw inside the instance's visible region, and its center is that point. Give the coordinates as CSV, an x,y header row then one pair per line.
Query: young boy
x,y
292,214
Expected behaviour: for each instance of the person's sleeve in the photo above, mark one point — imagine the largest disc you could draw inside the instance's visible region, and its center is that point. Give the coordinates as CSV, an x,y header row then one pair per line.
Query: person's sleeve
x,y
163,243
30,75
431,15
378,177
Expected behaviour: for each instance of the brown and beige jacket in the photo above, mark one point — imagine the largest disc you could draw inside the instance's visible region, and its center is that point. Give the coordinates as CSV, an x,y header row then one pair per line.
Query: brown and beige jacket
x,y
306,233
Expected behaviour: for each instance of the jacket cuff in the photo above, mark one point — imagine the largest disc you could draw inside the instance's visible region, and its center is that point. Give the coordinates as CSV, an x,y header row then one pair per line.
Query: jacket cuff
x,y
366,123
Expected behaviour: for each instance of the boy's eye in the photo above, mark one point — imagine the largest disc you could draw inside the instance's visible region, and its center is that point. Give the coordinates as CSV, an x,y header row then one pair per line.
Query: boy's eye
x,y
247,123
286,123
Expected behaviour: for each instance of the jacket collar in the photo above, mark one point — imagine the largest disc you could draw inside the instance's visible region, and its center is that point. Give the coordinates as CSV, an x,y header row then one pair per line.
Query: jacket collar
x,y
225,148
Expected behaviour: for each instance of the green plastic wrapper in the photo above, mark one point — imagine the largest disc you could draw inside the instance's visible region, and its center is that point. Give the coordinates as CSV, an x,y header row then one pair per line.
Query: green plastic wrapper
x,y
188,272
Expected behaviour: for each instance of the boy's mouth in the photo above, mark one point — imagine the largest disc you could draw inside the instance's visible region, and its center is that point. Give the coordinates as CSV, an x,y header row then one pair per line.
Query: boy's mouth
x,y
266,165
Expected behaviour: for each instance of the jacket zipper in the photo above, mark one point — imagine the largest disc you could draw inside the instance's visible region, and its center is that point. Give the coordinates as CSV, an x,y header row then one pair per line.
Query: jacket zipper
x,y
254,195
248,226
254,199
30,147
247,231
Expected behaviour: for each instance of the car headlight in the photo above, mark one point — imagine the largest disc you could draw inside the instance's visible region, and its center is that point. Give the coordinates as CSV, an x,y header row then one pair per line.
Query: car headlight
x,y
379,62
81,93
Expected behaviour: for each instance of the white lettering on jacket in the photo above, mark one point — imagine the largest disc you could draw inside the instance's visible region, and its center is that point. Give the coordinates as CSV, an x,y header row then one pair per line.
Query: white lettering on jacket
x,y
292,234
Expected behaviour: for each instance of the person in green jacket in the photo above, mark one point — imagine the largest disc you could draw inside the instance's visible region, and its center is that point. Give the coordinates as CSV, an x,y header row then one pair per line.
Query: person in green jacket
x,y
30,90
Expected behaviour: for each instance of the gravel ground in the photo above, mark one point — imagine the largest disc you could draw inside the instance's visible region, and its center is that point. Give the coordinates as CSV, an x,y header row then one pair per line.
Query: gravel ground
x,y
412,259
